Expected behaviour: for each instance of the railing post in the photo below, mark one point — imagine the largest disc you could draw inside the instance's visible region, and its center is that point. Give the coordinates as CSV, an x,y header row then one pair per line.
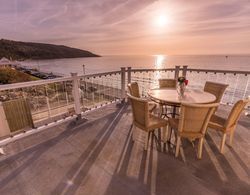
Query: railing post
x,y
47,101
123,78
177,70
247,113
67,98
184,71
48,105
76,95
129,74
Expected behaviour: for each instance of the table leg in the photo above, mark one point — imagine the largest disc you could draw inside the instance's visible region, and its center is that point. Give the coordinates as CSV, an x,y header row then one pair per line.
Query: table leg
x,y
171,130
174,111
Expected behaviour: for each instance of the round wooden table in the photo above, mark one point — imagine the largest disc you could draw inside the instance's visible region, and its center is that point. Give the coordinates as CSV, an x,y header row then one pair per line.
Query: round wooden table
x,y
171,96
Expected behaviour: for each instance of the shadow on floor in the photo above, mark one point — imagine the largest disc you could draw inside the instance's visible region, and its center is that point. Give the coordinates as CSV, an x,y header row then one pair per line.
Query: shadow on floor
x,y
79,170
162,173
33,154
131,170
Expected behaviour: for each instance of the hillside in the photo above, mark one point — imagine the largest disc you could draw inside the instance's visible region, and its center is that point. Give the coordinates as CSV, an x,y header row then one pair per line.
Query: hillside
x,y
17,50
9,75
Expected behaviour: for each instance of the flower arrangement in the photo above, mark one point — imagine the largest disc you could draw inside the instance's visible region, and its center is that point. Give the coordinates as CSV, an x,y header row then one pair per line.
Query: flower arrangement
x,y
182,82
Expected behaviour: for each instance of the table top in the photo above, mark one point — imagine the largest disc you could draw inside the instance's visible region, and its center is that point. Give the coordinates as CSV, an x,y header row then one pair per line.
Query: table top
x,y
190,96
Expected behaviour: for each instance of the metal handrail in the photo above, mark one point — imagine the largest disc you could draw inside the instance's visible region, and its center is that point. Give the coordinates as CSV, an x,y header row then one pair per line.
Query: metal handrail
x,y
100,74
193,70
151,69
219,71
33,83
68,78
49,81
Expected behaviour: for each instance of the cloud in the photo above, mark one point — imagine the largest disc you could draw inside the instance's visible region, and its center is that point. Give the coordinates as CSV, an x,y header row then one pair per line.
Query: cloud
x,y
87,23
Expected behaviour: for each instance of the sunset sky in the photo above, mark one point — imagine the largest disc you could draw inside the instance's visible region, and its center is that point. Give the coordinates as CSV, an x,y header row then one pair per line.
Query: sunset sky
x,y
134,27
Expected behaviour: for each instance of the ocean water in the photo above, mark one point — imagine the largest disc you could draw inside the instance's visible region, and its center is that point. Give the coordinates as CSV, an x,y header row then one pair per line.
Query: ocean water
x,y
112,63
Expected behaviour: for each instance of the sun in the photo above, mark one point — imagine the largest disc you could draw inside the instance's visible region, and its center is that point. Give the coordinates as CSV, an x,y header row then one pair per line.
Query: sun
x,y
161,20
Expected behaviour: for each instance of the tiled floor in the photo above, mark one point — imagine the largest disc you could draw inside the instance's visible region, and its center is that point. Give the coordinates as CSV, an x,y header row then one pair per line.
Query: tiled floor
x,y
99,157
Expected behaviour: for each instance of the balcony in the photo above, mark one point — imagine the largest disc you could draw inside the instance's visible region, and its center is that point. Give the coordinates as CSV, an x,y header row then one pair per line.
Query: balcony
x,y
95,155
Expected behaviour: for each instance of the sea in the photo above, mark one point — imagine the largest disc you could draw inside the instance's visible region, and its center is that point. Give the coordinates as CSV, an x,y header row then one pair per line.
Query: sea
x,y
113,63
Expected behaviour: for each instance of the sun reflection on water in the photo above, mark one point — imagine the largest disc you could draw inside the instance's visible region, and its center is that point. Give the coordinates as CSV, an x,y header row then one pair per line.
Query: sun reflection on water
x,y
159,59
159,64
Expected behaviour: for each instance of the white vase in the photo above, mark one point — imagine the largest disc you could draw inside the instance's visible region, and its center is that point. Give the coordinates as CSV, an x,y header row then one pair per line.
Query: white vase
x,y
181,89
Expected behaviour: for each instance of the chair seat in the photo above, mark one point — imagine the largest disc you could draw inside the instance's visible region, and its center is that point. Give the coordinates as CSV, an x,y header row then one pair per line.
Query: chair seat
x,y
217,123
154,123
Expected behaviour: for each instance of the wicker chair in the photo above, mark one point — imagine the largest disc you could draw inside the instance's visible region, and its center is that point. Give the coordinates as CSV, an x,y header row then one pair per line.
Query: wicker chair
x,y
227,126
192,123
167,83
143,120
216,89
134,91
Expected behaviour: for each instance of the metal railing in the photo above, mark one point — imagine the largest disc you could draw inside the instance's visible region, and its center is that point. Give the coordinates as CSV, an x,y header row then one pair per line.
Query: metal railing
x,y
238,81
148,78
100,89
51,100
55,99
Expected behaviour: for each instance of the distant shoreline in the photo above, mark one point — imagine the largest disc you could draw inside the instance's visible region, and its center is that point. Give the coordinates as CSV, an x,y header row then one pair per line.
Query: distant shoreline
x,y
37,73
20,73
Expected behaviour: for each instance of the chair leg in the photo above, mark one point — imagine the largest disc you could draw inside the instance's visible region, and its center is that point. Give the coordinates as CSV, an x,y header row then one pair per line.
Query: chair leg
x,y
146,141
231,137
165,133
223,143
166,111
161,110
200,147
170,131
178,144
133,132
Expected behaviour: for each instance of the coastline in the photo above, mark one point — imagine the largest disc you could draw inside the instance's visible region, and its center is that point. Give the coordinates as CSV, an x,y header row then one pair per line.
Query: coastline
x,y
20,71
37,73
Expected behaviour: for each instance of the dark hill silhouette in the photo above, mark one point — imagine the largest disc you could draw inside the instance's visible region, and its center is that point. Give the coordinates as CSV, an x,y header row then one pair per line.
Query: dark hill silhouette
x,y
17,50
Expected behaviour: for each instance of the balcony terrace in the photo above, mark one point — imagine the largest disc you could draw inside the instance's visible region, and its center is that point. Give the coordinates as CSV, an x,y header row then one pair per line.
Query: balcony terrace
x,y
58,154
97,156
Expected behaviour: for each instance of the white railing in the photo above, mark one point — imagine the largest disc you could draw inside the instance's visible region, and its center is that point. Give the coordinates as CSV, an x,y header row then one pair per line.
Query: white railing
x,y
55,99
238,81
